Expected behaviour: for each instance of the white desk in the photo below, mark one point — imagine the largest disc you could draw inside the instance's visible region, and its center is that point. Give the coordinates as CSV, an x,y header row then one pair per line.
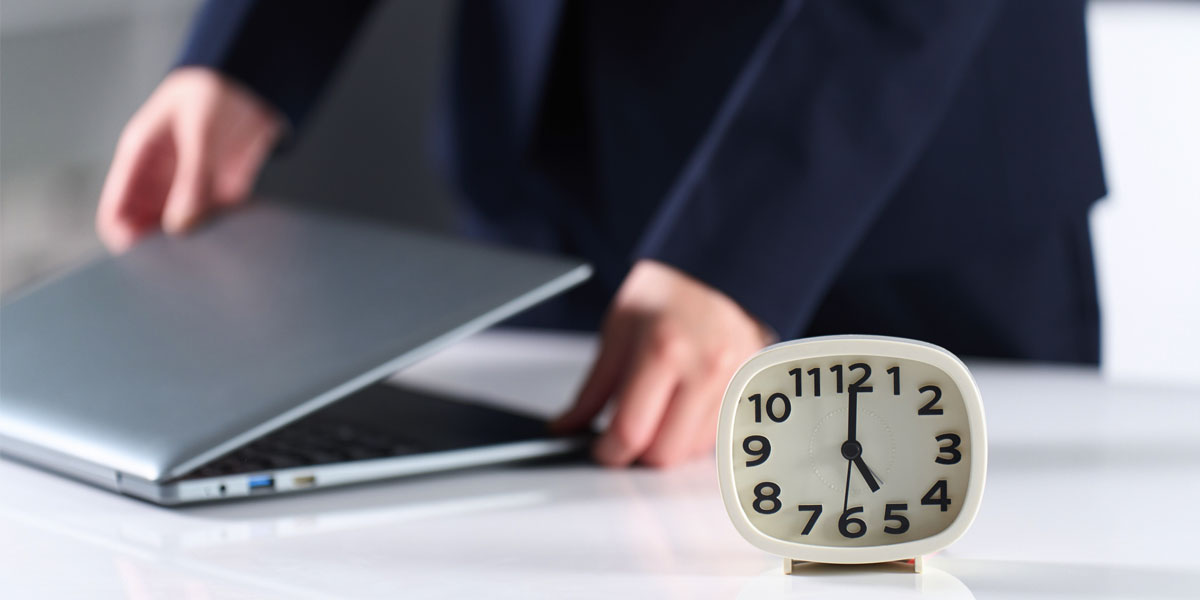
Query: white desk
x,y
1092,492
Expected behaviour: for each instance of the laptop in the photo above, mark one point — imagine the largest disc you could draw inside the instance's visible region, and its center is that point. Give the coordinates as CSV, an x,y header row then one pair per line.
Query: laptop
x,y
247,358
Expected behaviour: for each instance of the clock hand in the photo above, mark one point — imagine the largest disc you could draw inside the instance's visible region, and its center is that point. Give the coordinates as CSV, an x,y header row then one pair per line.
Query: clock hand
x,y
846,498
866,473
852,409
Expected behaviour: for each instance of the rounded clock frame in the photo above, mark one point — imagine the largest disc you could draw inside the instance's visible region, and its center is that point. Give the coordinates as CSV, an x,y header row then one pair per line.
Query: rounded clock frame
x,y
858,345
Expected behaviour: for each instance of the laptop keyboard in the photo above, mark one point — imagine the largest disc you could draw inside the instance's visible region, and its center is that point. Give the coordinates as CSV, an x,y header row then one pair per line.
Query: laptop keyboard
x,y
316,440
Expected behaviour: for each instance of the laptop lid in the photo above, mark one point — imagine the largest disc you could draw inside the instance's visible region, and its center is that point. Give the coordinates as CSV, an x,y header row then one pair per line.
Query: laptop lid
x,y
159,360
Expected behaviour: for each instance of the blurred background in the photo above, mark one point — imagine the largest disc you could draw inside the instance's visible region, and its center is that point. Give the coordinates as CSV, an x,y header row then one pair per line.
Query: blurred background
x,y
73,71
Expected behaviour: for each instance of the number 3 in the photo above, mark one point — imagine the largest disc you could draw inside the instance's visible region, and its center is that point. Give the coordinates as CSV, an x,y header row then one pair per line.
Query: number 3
x,y
952,449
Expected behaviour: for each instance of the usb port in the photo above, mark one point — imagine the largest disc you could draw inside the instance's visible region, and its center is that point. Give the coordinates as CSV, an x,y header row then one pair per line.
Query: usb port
x,y
261,483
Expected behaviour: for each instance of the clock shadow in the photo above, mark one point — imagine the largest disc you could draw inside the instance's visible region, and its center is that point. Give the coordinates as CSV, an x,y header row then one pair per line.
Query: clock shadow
x,y
960,578
882,580
801,569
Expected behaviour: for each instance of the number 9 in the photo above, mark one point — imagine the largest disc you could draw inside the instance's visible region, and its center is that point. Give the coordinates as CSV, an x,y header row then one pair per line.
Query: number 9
x,y
763,451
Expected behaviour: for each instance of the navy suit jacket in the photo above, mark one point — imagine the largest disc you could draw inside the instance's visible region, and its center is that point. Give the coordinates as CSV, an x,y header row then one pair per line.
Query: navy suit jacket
x,y
901,167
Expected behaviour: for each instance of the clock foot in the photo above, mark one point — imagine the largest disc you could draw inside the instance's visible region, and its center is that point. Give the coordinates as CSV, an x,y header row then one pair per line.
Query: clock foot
x,y
918,564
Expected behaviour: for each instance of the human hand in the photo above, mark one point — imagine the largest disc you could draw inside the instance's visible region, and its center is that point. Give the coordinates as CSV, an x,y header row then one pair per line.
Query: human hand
x,y
668,348
196,145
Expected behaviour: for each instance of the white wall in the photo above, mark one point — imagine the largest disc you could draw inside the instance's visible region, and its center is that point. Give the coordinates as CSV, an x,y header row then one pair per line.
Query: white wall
x,y
1146,83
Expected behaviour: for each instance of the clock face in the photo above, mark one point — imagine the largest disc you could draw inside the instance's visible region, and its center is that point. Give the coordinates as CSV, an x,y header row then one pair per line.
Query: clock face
x,y
850,450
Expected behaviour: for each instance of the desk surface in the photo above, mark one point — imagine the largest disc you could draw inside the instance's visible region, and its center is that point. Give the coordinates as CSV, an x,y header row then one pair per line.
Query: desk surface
x,y
1092,492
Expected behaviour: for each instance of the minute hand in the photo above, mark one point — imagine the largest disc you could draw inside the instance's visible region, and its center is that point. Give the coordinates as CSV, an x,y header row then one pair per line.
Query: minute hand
x,y
852,426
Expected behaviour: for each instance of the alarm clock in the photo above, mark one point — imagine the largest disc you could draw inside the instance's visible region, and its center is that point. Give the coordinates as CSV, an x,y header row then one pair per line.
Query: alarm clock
x,y
852,449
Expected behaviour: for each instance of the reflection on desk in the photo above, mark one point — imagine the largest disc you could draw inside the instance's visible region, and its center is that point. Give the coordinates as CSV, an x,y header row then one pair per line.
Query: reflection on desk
x,y
1090,494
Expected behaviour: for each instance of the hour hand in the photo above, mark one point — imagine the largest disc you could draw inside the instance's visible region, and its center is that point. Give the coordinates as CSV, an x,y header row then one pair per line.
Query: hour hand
x,y
866,473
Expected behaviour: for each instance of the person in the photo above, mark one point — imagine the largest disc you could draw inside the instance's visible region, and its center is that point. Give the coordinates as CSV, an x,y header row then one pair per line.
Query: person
x,y
735,171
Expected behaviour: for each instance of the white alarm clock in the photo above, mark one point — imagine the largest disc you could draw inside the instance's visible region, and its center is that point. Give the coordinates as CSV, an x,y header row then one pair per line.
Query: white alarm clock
x,y
852,449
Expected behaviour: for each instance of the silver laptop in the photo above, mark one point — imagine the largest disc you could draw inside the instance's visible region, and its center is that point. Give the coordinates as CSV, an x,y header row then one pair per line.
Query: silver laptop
x,y
246,358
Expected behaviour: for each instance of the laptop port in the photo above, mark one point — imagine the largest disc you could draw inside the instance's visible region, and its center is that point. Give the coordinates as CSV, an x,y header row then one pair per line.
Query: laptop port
x,y
304,481
261,483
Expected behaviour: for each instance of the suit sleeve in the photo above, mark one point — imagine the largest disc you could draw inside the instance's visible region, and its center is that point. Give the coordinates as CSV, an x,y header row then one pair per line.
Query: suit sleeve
x,y
833,107
283,50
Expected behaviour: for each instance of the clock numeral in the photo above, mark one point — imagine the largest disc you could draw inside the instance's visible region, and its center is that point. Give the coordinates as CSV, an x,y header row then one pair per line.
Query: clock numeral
x,y
837,370
762,497
895,373
772,402
763,452
952,449
937,496
797,373
816,375
888,515
846,521
816,512
858,385
929,409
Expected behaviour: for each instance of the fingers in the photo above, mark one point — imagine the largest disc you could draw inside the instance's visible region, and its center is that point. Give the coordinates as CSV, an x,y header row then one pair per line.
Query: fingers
x,y
667,413
196,144
690,423
675,344
158,178
602,380
128,203
188,200
641,403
